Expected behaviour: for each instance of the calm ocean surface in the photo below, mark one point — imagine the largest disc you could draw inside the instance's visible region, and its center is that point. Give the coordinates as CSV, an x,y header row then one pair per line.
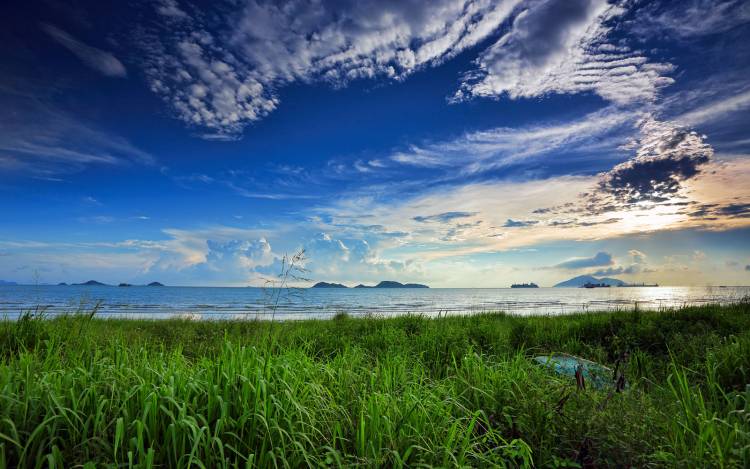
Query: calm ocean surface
x,y
251,303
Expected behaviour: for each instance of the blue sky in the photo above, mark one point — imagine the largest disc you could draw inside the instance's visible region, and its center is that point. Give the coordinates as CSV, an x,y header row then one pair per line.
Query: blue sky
x,y
459,144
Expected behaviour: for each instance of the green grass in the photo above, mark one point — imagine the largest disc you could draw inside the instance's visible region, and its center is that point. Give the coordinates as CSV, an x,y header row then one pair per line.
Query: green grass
x,y
78,391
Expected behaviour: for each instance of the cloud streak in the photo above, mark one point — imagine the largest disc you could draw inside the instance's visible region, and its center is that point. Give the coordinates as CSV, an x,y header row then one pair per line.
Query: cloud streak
x,y
46,141
96,59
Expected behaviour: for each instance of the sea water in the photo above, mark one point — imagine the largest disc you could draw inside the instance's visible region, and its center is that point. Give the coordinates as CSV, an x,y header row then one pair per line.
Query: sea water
x,y
259,303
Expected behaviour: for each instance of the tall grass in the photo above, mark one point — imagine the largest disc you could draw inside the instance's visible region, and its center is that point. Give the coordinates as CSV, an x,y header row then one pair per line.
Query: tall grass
x,y
409,391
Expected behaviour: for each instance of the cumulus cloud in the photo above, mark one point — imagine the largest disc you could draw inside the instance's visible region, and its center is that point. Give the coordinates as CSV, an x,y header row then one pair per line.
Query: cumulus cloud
x,y
599,259
353,260
96,59
637,256
562,46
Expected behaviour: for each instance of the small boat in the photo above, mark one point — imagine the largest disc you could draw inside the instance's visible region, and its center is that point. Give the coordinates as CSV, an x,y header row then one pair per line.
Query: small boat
x,y
598,376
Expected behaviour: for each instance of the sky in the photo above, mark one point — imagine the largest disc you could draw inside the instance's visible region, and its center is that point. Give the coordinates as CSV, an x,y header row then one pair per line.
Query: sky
x,y
469,143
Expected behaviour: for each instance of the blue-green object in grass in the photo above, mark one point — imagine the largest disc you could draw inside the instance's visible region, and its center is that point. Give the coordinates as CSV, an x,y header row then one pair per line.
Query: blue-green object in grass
x,y
594,374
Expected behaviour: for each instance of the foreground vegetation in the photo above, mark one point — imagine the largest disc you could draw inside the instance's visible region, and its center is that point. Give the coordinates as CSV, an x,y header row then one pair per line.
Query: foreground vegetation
x,y
408,391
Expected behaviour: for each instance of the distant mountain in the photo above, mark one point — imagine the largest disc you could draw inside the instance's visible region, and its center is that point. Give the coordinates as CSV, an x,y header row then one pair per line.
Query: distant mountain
x,y
5,282
62,284
155,284
582,280
524,285
124,285
392,284
91,283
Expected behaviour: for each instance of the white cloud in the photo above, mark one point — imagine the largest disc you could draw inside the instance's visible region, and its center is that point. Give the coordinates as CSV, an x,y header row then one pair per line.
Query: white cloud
x,y
171,9
224,82
96,59
561,46
490,205
637,256
227,75
354,260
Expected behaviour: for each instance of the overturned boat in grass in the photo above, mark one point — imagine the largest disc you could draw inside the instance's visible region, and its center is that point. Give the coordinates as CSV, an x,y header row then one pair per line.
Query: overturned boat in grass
x,y
583,371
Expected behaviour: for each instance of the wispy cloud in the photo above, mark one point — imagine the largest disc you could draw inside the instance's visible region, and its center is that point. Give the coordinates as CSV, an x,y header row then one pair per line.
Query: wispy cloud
x,y
45,141
719,109
691,18
96,59
482,151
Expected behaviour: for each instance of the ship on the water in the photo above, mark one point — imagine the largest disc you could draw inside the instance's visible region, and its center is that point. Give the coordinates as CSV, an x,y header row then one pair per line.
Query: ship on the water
x,y
595,285
524,285
640,285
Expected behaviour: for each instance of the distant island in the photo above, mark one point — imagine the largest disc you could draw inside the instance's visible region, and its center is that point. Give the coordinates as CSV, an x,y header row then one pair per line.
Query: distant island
x,y
383,284
91,283
392,284
95,283
7,283
582,280
524,285
329,285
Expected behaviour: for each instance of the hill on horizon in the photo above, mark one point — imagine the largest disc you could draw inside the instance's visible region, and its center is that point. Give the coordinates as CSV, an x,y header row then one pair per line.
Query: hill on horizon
x,y
581,280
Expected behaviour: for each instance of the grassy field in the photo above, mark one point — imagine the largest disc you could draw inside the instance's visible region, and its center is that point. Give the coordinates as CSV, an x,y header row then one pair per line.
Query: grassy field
x,y
460,391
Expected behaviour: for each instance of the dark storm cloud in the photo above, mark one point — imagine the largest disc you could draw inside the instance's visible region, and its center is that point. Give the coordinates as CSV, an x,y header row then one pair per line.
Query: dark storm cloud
x,y
510,223
631,269
735,210
714,211
667,156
